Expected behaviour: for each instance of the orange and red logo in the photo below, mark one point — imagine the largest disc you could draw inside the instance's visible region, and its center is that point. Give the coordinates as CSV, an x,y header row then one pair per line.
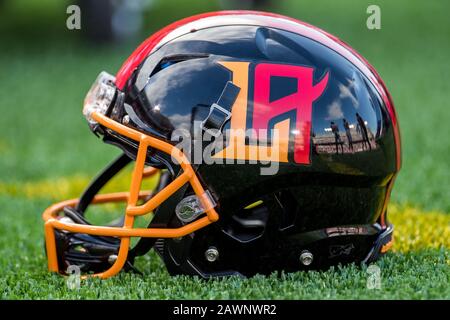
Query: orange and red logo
x,y
277,125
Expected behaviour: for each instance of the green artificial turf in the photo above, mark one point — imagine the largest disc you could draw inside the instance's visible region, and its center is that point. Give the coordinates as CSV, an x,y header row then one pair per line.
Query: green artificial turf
x,y
47,152
418,268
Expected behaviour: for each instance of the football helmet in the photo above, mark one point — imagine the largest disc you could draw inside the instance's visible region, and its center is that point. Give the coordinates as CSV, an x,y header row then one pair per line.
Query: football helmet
x,y
303,146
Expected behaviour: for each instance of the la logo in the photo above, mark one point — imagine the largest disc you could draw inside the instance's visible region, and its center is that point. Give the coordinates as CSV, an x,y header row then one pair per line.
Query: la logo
x,y
287,120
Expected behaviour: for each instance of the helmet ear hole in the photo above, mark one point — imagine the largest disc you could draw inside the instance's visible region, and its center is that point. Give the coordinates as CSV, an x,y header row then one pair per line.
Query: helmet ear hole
x,y
248,224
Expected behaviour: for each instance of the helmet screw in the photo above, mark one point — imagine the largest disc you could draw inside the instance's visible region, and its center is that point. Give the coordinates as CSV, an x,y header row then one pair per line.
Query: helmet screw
x,y
306,257
112,258
126,119
212,254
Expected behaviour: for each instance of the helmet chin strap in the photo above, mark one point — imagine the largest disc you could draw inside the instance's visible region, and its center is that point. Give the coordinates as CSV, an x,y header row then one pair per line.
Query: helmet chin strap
x,y
164,214
144,244
100,180
77,214
220,112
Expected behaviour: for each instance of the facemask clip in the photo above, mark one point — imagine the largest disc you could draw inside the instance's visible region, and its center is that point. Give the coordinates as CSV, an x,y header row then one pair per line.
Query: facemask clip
x,y
193,206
